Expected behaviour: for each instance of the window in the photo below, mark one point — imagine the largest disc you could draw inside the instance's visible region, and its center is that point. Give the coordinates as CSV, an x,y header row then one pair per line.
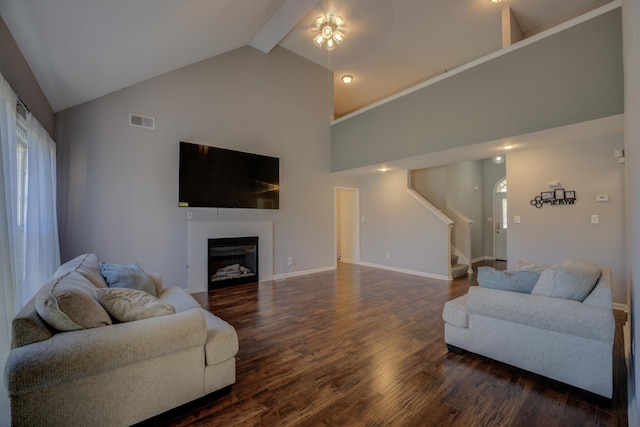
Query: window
x,y
21,168
501,188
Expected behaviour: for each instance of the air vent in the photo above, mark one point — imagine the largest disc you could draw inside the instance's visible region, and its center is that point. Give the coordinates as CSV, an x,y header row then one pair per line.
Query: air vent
x,y
142,121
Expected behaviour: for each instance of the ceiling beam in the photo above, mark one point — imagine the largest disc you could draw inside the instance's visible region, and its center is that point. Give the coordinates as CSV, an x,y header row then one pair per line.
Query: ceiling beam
x,y
511,31
280,23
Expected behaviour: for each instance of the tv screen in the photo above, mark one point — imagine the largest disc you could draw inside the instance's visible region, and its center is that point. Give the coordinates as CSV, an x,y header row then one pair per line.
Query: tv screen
x,y
220,178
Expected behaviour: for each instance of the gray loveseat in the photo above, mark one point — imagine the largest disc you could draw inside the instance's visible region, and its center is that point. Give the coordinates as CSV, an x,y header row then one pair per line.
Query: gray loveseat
x,y
111,373
549,328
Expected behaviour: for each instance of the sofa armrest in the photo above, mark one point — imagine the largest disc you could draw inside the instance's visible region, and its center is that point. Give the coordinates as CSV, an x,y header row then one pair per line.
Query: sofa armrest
x,y
553,314
68,356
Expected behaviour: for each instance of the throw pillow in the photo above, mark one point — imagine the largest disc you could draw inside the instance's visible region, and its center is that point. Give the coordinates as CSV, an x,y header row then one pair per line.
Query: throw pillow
x,y
514,281
574,280
521,265
127,276
67,303
126,305
87,265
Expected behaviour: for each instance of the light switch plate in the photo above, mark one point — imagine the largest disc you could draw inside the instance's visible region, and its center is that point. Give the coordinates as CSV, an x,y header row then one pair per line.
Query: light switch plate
x,y
516,219
595,219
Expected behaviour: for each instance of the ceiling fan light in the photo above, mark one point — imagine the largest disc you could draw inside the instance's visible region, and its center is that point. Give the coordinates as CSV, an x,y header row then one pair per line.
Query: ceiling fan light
x,y
327,31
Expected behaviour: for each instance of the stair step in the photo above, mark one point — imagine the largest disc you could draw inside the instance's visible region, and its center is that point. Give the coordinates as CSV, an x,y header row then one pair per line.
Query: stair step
x,y
458,270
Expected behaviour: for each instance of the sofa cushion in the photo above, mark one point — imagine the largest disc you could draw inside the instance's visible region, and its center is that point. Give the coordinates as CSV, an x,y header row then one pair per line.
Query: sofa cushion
x,y
574,280
86,264
179,298
67,303
127,276
514,281
126,305
521,265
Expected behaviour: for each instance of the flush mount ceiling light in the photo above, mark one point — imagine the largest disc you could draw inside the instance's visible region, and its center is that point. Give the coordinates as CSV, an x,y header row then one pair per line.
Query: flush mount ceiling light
x,y
346,79
497,159
328,30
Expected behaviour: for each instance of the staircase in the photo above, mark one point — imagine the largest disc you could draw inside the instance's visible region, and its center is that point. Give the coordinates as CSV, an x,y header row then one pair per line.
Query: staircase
x,y
457,270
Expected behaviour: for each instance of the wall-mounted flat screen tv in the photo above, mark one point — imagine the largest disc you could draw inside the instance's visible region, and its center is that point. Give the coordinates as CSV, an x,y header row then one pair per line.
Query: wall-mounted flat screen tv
x,y
219,178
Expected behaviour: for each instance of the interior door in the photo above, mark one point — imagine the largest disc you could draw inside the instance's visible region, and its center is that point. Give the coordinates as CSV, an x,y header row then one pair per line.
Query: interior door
x,y
347,225
500,225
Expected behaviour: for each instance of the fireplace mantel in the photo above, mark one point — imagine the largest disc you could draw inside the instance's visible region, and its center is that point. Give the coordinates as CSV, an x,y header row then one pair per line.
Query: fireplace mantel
x,y
201,231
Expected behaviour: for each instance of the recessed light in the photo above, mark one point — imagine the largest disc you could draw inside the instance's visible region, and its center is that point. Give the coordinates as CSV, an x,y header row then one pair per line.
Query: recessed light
x,y
346,79
383,169
494,1
508,147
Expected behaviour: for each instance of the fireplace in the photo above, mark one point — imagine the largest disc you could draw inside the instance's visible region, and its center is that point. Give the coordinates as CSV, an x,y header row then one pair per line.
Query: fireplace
x,y
232,261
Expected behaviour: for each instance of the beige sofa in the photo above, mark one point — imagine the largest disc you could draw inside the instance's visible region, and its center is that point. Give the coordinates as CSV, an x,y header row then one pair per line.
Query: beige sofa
x,y
549,329
117,374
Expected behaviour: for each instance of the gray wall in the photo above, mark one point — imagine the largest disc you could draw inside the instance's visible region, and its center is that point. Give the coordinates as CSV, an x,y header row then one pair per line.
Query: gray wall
x,y
454,184
118,184
631,26
570,77
464,193
552,234
16,71
396,223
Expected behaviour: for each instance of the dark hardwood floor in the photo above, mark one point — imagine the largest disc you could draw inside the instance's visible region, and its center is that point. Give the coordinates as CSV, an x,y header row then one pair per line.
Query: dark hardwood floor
x,y
365,347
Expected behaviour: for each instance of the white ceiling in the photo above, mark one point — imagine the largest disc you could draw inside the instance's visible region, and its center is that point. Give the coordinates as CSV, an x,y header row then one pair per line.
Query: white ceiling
x,y
82,49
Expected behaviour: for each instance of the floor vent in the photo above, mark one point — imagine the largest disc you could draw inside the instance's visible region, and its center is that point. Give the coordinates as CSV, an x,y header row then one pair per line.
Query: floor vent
x,y
142,121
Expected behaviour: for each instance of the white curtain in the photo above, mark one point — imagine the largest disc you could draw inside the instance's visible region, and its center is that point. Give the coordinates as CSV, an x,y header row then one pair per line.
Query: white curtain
x,y
8,220
42,252
40,249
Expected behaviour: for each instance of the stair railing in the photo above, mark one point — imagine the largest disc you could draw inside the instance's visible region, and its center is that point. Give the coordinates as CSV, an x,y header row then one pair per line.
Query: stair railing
x,y
461,235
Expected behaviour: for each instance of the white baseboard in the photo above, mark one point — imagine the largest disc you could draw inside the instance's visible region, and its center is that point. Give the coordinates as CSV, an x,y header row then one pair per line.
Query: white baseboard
x,y
302,273
623,307
402,270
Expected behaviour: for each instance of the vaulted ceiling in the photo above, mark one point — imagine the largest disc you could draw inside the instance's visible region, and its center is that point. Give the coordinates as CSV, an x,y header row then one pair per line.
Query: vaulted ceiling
x,y
81,50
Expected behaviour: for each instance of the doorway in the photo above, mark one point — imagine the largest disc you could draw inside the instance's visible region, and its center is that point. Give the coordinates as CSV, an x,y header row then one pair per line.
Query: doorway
x,y
347,238
500,220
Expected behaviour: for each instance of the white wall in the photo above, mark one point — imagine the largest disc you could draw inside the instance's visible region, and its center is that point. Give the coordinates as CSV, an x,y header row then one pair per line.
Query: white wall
x,y
552,234
396,223
117,184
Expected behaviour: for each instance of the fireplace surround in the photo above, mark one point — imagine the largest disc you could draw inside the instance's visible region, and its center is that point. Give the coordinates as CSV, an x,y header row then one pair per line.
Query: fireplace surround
x,y
232,261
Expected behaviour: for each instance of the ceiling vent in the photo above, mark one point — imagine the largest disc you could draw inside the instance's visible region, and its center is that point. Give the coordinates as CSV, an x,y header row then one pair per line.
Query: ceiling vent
x,y
142,121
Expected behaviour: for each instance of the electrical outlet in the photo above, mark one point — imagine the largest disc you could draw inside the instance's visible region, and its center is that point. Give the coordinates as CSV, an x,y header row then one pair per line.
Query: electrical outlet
x,y
289,261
